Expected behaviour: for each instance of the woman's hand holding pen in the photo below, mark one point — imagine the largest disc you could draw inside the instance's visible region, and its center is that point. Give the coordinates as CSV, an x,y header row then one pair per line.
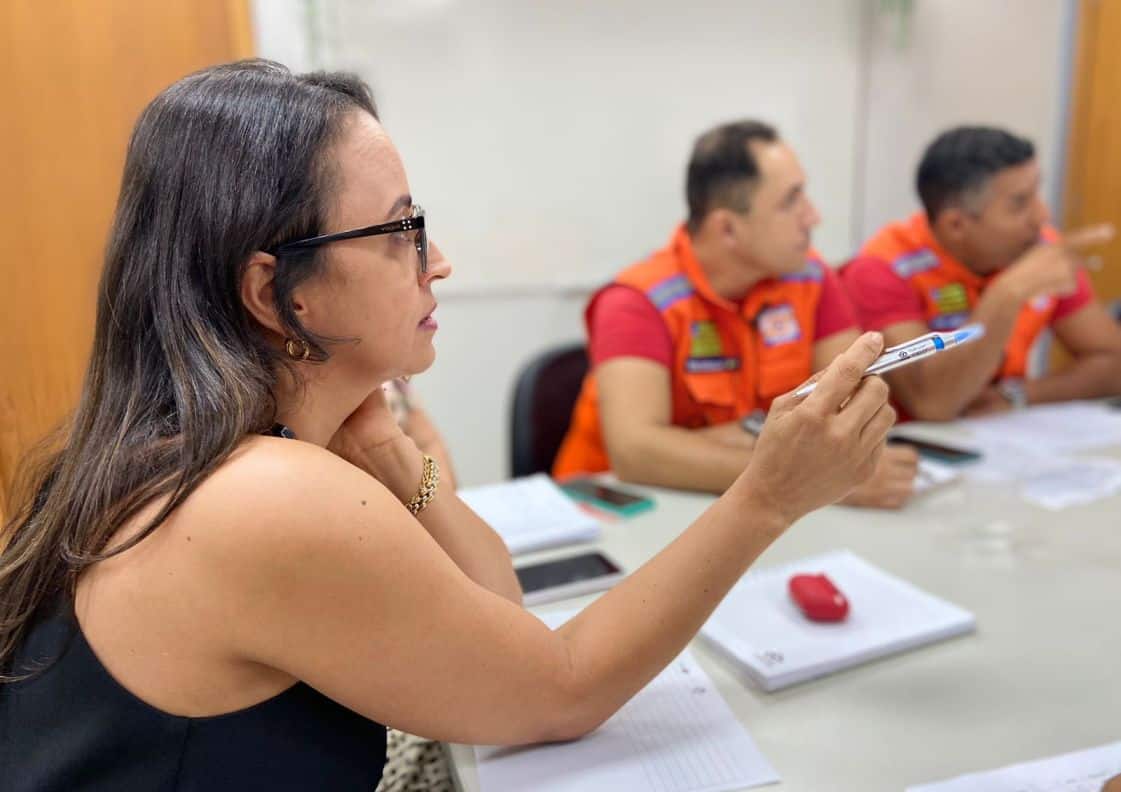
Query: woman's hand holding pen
x,y
814,451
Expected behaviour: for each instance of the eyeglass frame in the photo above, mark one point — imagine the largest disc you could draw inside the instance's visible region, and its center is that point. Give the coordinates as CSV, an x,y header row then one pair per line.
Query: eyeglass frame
x,y
415,222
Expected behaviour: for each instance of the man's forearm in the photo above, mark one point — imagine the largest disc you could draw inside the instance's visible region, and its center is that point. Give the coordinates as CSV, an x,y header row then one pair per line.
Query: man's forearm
x,y
945,384
671,456
1089,377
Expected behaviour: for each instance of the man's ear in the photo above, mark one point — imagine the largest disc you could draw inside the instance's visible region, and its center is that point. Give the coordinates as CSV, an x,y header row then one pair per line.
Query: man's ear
x,y
951,223
721,224
257,292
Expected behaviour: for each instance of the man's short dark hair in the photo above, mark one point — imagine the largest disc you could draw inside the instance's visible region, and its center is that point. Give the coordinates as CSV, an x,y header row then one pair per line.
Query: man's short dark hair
x,y
960,162
722,170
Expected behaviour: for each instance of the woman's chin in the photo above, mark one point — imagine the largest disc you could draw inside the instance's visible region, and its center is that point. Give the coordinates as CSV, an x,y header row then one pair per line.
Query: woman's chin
x,y
418,363
422,362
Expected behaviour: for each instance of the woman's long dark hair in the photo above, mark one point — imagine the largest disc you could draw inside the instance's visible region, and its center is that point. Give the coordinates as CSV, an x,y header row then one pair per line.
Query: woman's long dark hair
x,y
227,161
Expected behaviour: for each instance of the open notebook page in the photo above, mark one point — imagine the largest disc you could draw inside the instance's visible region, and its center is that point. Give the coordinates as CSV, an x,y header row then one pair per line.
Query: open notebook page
x,y
676,735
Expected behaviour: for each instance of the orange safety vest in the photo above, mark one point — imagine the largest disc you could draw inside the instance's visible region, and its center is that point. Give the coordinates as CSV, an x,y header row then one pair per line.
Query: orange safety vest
x,y
728,359
949,290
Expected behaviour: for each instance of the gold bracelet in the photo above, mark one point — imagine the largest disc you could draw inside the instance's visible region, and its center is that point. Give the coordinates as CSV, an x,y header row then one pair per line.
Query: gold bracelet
x,y
429,481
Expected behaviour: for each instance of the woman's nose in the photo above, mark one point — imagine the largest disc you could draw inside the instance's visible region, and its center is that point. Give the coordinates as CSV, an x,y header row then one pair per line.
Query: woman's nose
x,y
438,266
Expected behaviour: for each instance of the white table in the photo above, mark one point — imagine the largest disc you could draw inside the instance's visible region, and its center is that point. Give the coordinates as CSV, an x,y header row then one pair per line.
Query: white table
x,y
1041,676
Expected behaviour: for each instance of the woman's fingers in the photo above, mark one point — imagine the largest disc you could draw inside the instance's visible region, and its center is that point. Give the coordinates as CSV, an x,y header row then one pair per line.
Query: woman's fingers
x,y
843,376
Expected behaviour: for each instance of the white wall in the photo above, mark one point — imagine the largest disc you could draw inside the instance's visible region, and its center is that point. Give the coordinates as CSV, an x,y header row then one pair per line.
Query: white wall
x,y
482,343
999,62
547,141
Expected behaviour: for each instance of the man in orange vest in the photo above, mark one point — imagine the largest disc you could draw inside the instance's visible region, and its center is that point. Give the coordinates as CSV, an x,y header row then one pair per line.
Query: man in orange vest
x,y
735,311
981,251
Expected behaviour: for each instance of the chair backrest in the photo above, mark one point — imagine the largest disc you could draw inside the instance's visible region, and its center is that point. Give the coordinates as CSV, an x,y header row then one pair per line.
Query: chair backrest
x,y
544,395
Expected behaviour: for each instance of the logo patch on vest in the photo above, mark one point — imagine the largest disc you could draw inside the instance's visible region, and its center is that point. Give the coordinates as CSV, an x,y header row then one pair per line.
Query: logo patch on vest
x,y
950,299
778,325
705,340
914,263
708,365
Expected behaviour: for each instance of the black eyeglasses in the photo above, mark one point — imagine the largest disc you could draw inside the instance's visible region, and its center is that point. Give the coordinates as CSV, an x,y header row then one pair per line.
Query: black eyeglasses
x,y
415,222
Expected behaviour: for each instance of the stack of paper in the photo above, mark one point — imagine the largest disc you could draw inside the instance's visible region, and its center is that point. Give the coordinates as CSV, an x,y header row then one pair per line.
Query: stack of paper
x,y
1072,482
676,735
1082,771
761,628
531,514
1050,429
932,475
1022,443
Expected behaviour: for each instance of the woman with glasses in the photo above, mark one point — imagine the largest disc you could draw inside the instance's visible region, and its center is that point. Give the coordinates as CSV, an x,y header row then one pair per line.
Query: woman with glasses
x,y
233,569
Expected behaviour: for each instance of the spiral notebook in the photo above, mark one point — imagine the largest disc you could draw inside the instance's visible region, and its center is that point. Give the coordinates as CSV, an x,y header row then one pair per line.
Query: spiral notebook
x,y
760,628
531,513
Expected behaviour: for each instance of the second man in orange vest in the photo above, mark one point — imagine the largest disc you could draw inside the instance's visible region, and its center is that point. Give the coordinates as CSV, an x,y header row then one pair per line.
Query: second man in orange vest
x,y
981,252
736,310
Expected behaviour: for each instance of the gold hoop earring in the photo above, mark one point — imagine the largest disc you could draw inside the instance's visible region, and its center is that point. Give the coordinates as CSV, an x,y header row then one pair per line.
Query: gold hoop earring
x,y
297,348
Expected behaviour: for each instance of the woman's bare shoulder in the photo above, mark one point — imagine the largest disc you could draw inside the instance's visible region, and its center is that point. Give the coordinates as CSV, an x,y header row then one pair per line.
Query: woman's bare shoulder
x,y
284,490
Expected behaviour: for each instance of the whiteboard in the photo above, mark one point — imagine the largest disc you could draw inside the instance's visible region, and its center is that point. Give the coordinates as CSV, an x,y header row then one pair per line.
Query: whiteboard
x,y
548,140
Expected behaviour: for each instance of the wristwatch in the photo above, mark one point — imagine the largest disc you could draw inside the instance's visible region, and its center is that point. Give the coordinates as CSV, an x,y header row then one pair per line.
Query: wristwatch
x,y
1013,391
752,423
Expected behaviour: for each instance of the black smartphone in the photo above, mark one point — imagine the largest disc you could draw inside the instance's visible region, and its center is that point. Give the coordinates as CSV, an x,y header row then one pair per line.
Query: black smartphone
x,y
567,577
952,455
606,497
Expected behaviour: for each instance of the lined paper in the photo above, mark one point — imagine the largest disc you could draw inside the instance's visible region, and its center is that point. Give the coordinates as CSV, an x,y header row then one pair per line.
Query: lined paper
x,y
676,735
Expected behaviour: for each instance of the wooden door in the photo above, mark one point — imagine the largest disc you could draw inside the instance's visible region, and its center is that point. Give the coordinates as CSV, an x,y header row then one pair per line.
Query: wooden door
x,y
1093,179
74,76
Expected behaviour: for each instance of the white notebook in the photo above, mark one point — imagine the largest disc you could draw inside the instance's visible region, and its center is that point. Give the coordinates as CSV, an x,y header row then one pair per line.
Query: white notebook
x,y
676,735
531,513
761,628
1081,771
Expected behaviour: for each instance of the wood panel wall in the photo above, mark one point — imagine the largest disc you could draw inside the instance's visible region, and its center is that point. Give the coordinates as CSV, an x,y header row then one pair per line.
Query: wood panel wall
x,y
1093,178
74,75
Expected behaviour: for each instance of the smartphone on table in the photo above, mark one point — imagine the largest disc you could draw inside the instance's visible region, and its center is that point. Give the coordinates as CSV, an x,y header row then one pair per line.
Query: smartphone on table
x,y
939,452
564,578
607,497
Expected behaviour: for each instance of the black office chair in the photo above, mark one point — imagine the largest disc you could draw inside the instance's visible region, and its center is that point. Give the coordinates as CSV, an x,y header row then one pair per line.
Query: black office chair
x,y
544,394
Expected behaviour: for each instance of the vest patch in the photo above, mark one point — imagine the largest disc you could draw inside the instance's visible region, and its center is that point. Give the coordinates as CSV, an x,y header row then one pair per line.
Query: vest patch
x,y
705,340
708,365
667,292
951,298
778,325
914,263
